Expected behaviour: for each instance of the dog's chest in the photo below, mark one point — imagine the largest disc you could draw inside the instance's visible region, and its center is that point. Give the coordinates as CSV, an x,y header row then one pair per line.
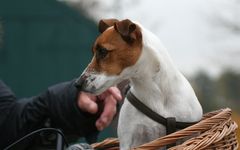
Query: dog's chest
x,y
136,124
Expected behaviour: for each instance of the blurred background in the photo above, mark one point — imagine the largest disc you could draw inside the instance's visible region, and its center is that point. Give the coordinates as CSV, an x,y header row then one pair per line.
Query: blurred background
x,y
43,42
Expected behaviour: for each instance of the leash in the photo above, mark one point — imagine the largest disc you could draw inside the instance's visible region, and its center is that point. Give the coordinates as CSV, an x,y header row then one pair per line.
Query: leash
x,y
170,123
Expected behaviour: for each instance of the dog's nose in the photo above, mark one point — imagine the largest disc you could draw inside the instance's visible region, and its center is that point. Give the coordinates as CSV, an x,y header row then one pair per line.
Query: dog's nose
x,y
80,82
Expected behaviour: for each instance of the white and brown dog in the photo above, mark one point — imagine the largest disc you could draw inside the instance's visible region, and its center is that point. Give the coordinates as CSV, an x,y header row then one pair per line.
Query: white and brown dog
x,y
126,50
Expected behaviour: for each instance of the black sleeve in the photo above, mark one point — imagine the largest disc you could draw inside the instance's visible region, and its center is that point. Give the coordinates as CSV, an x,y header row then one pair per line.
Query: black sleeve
x,y
58,104
64,112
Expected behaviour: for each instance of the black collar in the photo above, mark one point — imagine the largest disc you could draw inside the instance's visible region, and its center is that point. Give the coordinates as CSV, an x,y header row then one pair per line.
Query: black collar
x,y
170,123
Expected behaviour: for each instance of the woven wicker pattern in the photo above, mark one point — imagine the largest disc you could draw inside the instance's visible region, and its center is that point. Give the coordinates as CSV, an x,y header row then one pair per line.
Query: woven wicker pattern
x,y
216,130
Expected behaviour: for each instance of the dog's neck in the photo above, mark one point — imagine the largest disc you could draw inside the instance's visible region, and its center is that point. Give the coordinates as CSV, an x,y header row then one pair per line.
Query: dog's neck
x,y
155,77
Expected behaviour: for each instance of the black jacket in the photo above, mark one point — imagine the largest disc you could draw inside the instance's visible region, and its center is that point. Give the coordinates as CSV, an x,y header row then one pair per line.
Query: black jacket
x,y
56,108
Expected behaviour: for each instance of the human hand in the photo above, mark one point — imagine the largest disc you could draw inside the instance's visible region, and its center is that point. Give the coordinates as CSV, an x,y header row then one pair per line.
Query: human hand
x,y
88,102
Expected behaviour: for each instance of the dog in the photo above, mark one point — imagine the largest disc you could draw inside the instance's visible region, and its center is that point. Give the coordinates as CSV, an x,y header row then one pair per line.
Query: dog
x,y
126,50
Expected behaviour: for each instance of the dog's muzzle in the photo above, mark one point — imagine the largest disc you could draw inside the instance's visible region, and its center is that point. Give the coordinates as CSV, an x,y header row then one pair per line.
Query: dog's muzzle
x,y
82,84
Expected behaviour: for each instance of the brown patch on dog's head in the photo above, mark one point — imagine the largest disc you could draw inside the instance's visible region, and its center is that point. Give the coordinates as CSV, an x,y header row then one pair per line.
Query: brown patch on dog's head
x,y
119,46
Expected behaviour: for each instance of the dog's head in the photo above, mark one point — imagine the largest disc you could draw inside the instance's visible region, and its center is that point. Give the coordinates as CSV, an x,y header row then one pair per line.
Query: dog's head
x,y
118,47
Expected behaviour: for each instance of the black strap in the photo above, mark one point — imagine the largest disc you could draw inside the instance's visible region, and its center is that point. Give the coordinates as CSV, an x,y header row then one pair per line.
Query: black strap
x,y
170,123
170,128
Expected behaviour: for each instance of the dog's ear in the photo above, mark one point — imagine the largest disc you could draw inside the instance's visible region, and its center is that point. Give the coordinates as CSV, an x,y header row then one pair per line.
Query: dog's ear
x,y
106,23
125,28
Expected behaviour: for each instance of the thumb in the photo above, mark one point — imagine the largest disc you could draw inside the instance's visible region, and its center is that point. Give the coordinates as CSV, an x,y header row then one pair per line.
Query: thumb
x,y
86,102
115,93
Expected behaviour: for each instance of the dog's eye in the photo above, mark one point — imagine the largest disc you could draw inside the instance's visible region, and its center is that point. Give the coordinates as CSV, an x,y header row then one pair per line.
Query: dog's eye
x,y
101,53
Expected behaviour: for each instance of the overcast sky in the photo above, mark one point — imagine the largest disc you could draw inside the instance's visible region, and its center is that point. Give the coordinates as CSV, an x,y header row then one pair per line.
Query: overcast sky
x,y
185,28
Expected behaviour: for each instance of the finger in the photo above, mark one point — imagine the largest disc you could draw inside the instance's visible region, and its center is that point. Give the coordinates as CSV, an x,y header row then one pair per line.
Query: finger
x,y
111,91
115,93
108,113
87,102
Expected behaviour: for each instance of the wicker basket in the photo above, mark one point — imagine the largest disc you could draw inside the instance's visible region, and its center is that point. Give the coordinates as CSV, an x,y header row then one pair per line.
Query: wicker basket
x,y
216,130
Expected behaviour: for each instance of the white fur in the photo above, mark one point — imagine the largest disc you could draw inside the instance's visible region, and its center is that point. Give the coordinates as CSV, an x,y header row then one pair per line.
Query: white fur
x,y
160,86
99,82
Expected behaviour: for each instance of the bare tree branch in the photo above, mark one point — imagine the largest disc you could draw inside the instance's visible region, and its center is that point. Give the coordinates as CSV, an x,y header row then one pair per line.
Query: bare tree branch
x,y
227,16
226,31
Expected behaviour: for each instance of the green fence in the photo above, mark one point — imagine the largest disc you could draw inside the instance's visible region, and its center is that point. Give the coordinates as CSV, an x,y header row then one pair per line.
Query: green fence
x,y
42,42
